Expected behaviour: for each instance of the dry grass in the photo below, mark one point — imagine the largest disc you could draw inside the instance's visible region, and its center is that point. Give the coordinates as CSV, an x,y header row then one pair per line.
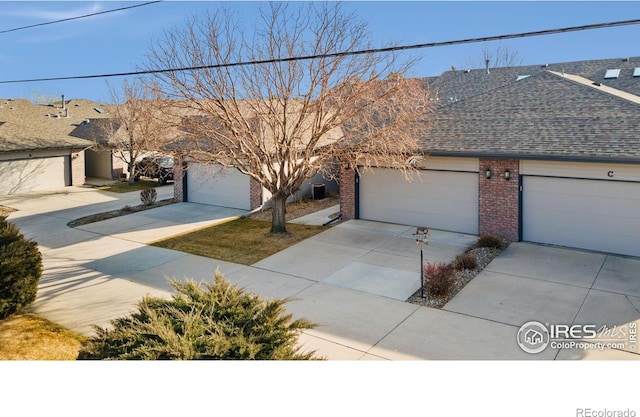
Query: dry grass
x,y
4,211
244,241
124,187
31,337
301,207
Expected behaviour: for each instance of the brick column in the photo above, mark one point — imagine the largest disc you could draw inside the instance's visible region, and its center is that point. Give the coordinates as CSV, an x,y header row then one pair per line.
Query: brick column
x,y
77,168
347,193
179,179
499,198
255,194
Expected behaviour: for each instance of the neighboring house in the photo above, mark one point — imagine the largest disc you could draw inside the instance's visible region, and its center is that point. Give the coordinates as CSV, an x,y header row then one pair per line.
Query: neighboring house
x,y
547,154
37,149
101,160
210,183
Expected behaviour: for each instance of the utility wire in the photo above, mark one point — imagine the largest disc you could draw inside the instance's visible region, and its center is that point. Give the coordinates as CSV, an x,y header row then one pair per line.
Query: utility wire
x,y
78,17
345,53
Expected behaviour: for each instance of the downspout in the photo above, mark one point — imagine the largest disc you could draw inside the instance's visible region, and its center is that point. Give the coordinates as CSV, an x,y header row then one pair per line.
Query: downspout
x,y
338,217
356,197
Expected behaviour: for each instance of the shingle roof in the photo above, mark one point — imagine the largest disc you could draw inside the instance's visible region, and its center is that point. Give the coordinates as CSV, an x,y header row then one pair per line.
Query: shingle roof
x,y
457,85
25,126
544,115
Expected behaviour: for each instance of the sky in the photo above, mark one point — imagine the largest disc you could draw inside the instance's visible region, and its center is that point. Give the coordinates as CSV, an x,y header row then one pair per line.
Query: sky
x,y
119,42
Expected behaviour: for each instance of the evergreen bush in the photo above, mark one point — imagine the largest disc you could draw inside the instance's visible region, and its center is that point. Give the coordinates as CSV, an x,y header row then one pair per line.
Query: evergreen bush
x,y
201,321
20,270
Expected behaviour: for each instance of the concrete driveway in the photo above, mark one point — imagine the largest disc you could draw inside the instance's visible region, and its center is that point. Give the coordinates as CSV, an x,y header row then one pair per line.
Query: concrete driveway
x,y
559,286
351,280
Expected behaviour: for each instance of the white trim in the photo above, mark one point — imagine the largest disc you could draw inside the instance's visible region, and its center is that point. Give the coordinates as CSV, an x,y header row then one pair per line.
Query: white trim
x,y
586,170
446,163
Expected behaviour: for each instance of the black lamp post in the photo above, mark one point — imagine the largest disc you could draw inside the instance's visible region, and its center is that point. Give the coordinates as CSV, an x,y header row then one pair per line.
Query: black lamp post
x,y
421,239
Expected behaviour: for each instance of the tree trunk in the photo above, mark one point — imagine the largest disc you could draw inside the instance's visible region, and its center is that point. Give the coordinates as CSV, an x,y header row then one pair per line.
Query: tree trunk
x,y
277,214
132,174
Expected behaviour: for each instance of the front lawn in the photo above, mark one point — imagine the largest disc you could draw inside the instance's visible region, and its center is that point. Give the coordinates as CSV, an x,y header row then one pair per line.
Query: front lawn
x,y
124,187
31,337
244,241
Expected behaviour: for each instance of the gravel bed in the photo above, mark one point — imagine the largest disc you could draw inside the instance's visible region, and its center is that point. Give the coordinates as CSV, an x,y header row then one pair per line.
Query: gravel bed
x,y
462,278
117,213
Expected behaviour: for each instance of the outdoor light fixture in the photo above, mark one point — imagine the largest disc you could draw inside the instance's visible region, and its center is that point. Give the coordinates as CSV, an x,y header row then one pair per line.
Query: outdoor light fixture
x,y
421,239
507,175
487,173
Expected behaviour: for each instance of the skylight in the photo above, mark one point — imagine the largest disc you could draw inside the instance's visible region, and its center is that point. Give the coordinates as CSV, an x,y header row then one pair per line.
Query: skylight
x,y
612,73
522,77
636,72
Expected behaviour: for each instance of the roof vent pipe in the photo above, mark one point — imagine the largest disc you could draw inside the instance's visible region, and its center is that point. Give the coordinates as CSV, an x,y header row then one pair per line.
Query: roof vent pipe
x,y
486,61
63,102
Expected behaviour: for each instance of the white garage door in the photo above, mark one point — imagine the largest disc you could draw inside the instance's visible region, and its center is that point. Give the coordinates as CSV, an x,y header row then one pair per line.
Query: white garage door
x,y
41,174
442,200
210,185
588,214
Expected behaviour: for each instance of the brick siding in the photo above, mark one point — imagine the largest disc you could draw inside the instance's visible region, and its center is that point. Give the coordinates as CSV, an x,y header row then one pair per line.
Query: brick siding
x,y
499,198
255,194
347,193
77,168
178,180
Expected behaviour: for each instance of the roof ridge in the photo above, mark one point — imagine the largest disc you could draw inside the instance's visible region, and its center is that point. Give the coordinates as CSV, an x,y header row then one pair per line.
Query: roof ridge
x,y
598,86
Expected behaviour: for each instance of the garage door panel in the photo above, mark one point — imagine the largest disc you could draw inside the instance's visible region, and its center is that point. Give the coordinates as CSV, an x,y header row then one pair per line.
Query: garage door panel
x,y
439,200
226,188
26,175
587,214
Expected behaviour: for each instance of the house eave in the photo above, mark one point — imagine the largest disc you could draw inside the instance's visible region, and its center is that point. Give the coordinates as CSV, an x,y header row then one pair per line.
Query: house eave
x,y
538,157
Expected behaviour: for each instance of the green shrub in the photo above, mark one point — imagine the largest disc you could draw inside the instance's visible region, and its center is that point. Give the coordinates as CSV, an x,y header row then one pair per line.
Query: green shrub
x,y
466,261
148,196
20,270
201,321
489,241
438,279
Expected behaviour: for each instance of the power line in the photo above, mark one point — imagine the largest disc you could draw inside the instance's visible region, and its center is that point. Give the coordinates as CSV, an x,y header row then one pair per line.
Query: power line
x,y
78,17
345,53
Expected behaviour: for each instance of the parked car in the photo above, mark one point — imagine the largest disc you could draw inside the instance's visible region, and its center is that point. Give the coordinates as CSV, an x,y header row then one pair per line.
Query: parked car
x,y
160,167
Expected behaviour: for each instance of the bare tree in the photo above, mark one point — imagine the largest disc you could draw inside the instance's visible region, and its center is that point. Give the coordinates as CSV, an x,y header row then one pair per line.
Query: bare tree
x,y
281,122
134,126
501,56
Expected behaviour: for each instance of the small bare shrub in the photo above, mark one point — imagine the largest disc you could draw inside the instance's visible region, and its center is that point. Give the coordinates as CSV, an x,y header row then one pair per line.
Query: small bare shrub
x,y
126,209
148,196
466,261
490,241
438,279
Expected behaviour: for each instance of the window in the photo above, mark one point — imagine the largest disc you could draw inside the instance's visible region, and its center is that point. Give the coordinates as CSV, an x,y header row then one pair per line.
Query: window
x,y
612,73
